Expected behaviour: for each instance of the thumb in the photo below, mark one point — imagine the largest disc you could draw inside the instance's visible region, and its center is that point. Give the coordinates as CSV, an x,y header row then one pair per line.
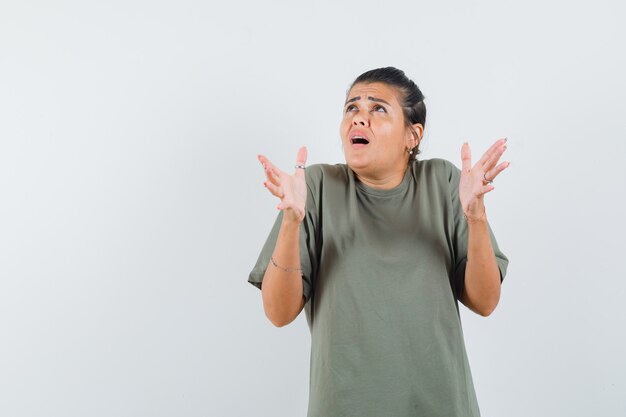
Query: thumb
x,y
302,154
466,157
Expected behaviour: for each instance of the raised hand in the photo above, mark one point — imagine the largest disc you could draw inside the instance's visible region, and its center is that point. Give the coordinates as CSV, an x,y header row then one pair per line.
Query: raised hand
x,y
472,186
290,189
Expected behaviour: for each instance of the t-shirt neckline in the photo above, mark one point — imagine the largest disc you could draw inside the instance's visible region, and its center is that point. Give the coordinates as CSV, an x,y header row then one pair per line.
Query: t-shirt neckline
x,y
404,184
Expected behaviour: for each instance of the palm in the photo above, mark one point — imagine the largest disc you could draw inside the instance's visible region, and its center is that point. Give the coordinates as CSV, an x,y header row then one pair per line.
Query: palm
x,y
290,189
472,186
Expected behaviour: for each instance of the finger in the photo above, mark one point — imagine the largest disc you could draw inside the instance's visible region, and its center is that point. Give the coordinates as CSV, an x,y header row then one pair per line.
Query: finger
x,y
484,190
494,158
271,175
302,154
271,172
492,174
490,162
466,157
283,205
493,148
267,163
262,159
276,191
301,159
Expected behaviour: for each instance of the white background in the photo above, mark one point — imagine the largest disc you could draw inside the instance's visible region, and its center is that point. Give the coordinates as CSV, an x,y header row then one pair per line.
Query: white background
x,y
132,205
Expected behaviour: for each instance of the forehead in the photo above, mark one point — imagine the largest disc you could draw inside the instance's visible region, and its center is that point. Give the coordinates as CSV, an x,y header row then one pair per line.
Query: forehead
x,y
378,90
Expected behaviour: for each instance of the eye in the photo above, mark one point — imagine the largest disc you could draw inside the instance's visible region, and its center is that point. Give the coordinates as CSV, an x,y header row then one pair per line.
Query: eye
x,y
349,107
379,107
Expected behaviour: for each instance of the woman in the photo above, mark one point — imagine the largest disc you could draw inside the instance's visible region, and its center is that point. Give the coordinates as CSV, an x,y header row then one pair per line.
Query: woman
x,y
379,251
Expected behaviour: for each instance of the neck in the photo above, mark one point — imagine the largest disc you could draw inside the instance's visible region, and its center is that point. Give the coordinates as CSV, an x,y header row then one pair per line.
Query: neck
x,y
384,181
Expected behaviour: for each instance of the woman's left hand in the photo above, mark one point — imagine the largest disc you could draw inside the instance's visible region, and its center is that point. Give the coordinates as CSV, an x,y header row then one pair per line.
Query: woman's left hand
x,y
472,186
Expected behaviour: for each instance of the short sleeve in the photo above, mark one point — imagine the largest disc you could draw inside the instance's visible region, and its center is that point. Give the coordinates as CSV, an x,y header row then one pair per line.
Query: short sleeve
x,y
308,245
460,237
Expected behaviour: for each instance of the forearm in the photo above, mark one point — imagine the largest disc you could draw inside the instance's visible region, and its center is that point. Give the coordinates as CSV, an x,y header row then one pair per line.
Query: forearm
x,y
482,275
282,290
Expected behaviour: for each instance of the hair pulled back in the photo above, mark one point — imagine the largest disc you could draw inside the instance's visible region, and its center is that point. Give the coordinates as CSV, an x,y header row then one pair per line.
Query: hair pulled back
x,y
411,98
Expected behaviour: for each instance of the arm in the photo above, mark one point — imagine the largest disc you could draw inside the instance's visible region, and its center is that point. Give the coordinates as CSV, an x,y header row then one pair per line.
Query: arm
x,y
481,291
282,292
282,288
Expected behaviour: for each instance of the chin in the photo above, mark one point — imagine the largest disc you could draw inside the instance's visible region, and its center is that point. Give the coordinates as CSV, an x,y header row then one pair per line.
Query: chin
x,y
357,163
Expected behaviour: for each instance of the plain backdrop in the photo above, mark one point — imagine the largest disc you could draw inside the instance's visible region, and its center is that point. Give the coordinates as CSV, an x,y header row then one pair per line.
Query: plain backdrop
x,y
132,205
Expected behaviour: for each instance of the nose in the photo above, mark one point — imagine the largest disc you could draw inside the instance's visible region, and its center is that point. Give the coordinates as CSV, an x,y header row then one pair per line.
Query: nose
x,y
361,119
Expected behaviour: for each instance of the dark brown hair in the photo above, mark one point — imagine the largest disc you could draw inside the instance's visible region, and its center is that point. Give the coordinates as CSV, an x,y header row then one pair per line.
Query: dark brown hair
x,y
411,98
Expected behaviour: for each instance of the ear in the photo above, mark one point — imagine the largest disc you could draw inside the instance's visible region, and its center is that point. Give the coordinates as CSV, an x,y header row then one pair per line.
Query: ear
x,y
411,140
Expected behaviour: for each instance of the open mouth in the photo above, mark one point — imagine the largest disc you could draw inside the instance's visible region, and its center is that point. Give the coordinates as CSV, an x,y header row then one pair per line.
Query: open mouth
x,y
359,140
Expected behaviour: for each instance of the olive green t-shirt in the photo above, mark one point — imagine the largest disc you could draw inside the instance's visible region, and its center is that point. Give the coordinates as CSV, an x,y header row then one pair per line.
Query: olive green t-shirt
x,y
383,271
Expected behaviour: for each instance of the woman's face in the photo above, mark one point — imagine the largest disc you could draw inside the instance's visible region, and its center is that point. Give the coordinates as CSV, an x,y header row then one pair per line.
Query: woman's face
x,y
373,133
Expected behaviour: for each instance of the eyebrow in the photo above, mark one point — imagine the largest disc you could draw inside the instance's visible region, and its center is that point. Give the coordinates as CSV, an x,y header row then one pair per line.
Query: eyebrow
x,y
380,100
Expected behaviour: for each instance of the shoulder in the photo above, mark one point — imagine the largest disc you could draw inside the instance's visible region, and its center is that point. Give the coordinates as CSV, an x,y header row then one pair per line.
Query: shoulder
x,y
322,177
317,173
442,169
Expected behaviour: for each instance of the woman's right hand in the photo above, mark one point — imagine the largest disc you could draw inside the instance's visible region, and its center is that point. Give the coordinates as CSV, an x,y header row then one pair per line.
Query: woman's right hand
x,y
290,189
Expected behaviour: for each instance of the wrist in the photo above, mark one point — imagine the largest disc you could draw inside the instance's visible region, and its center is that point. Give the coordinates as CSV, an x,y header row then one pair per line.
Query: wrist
x,y
290,221
476,219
